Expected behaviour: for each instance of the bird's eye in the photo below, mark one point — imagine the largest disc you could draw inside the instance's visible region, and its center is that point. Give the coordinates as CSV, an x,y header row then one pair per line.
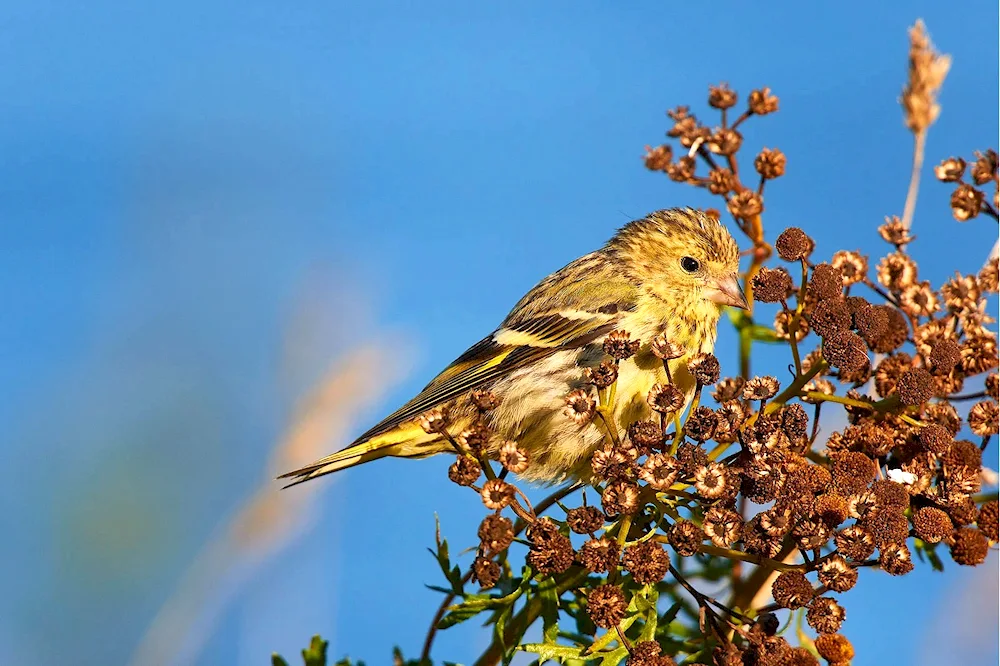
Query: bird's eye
x,y
690,264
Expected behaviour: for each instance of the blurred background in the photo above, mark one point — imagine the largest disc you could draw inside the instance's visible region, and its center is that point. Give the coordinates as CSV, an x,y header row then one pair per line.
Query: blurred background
x,y
233,234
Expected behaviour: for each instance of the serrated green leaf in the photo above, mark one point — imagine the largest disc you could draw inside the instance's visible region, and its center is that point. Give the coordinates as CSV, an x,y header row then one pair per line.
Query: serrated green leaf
x,y
614,657
650,614
458,616
277,660
550,610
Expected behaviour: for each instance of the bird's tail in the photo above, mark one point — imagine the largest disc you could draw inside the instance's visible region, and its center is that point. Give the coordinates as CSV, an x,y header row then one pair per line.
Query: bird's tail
x,y
408,441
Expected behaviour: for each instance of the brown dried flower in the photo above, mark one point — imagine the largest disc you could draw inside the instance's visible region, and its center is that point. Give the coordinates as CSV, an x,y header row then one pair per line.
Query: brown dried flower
x,y
970,547
496,533
603,375
827,281
648,562
895,232
660,471
836,574
793,244
464,471
762,102
580,406
834,648
950,170
760,388
513,458
853,266
966,202
620,497
618,345
895,559
704,367
825,615
791,590
746,204
682,170
770,163
497,494
434,421
486,572
665,398
985,167
658,158
606,606
599,555
721,96
771,285
983,418
685,537
585,519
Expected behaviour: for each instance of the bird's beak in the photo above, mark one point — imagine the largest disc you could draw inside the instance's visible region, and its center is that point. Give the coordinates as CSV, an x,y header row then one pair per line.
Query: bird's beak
x,y
727,291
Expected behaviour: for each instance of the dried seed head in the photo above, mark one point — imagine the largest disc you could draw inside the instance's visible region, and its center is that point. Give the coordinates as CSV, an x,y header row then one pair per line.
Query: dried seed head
x,y
618,346
760,388
932,524
486,572
725,141
966,202
853,266
682,170
919,300
782,321
606,606
721,96
895,232
945,355
658,158
485,401
620,497
665,349
611,463
970,547
646,436
987,521
851,472
895,333
495,533
836,574
723,526
985,167
935,438
648,562
989,276
927,72
585,519
834,648
791,590
855,542
685,537
770,164
845,350
599,555
825,615
793,244
665,398
915,386
660,471
827,281
771,285
983,418
497,494
513,458
762,102
831,508
896,271
603,375
895,559
580,407
434,421
700,424
887,526
729,388
475,438
950,170
464,471
712,481
830,316
746,204
704,367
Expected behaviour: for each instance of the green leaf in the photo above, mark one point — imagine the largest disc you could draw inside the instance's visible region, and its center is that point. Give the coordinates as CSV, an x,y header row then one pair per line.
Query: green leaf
x,y
650,614
550,610
614,657
315,654
276,660
547,651
761,333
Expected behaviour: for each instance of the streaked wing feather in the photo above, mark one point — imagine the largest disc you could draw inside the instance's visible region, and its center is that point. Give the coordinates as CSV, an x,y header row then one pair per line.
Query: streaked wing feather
x,y
489,360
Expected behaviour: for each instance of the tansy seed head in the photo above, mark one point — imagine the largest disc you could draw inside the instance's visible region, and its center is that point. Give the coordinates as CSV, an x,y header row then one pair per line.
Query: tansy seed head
x,y
746,204
658,158
486,572
855,542
983,418
434,421
585,519
950,170
760,388
645,436
665,349
599,555
932,524
580,406
762,102
825,615
496,532
988,519
620,497
829,317
853,266
618,346
648,562
685,537
970,547
464,471
793,244
728,389
915,386
497,494
721,96
513,458
826,282
895,232
895,559
485,401
660,471
771,285
791,590
603,375
704,367
834,648
606,606
985,167
665,398
836,574
845,350
770,164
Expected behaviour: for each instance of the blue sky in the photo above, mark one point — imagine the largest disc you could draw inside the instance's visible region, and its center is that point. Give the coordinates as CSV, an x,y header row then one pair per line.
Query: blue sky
x,y
202,204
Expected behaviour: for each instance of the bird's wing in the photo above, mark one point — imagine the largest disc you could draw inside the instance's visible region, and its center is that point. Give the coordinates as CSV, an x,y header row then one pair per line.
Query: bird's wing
x,y
509,348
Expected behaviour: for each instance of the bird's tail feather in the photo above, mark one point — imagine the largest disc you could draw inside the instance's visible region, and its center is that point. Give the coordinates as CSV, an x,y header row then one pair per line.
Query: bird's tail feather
x,y
404,442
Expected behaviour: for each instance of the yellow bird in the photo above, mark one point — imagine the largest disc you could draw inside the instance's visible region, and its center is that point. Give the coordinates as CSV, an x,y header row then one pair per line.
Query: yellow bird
x,y
668,272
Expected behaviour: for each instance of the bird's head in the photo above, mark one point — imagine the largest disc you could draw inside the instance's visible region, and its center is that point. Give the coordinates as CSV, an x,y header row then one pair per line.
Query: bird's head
x,y
682,255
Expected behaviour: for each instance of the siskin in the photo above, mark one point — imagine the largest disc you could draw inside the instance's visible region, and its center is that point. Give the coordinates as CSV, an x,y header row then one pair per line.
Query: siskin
x,y
666,273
